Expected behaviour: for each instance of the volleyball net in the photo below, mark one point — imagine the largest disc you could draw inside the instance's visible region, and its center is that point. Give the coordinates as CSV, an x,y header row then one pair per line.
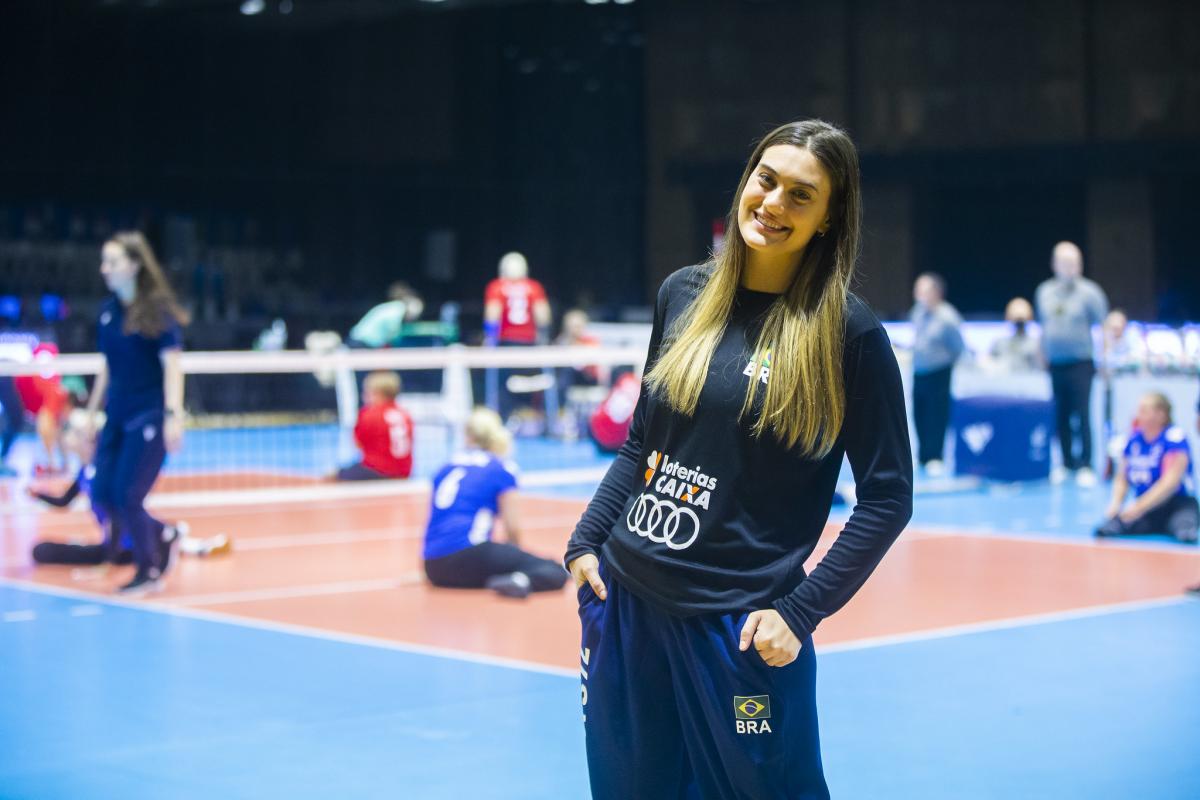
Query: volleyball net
x,y
284,421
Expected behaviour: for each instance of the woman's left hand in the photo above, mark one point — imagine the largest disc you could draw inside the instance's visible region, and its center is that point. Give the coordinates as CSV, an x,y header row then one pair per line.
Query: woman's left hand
x,y
173,433
1129,515
772,638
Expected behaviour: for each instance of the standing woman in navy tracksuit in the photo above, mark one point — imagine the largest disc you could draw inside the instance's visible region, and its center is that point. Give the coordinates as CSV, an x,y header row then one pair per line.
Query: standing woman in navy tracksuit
x,y
140,338
699,677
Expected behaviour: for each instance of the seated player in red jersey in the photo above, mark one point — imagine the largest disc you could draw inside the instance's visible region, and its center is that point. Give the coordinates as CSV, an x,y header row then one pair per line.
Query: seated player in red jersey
x,y
384,433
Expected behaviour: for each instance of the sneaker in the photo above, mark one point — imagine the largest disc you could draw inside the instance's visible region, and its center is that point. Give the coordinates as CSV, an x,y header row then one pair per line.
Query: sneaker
x,y
168,548
1058,475
217,545
1085,478
514,584
935,469
143,583
1193,590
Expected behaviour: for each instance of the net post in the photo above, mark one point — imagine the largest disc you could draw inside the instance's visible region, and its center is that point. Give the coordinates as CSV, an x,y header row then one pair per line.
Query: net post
x,y
456,393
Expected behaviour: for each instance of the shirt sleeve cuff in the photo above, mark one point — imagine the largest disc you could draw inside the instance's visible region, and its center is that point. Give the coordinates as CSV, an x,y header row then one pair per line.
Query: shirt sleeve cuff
x,y
575,551
798,623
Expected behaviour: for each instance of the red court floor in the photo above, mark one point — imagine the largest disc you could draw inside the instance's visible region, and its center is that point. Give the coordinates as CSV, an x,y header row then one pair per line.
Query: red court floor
x,y
352,566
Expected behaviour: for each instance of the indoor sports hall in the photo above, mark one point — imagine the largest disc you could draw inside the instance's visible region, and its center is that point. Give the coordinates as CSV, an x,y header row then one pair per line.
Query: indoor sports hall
x,y
347,347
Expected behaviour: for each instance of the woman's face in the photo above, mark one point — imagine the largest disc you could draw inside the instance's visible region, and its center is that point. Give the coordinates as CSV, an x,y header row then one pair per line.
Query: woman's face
x,y
1150,416
118,269
785,202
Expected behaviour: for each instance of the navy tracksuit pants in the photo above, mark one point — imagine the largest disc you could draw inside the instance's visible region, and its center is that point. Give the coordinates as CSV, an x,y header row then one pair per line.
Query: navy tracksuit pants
x,y
129,455
674,711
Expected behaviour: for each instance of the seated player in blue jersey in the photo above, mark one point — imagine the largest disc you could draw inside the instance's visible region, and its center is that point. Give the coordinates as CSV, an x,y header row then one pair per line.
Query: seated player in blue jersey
x,y
469,493
1157,465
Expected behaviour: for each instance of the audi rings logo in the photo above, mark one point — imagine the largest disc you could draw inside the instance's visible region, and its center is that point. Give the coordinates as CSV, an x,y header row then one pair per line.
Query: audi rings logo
x,y
662,521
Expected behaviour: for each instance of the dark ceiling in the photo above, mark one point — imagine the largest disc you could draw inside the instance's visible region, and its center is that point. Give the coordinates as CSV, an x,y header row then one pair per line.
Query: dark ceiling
x,y
310,13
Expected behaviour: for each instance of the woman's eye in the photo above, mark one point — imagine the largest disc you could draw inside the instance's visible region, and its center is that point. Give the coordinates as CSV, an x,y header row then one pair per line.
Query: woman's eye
x,y
764,179
800,196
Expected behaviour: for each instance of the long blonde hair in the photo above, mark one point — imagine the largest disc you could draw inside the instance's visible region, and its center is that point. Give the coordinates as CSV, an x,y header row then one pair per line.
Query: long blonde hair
x,y
803,405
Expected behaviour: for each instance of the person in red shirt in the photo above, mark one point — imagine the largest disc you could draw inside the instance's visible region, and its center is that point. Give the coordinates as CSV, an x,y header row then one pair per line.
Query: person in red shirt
x,y
45,398
384,433
516,313
515,309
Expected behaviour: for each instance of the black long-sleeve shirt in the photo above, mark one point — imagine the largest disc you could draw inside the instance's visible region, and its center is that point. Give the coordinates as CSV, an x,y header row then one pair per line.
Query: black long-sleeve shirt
x,y
698,515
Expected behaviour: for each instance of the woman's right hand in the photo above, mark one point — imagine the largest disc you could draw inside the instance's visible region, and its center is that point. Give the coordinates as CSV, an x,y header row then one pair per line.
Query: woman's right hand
x,y
586,569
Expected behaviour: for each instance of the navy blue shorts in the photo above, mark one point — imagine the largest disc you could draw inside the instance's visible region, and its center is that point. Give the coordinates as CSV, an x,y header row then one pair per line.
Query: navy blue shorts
x,y
359,471
672,709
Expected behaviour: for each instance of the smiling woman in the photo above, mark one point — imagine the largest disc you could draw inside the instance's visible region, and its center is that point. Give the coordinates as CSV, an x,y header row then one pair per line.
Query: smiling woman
x,y
800,179
763,371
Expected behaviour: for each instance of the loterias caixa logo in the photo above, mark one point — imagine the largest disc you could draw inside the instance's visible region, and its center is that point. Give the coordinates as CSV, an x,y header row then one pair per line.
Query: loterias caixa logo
x,y
669,511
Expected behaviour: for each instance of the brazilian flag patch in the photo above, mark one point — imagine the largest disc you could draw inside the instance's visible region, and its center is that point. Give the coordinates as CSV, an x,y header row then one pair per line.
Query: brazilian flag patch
x,y
757,707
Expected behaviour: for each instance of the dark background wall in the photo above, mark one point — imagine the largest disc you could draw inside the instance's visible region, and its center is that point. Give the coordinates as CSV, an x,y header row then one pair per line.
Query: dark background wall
x,y
987,130
349,144
419,145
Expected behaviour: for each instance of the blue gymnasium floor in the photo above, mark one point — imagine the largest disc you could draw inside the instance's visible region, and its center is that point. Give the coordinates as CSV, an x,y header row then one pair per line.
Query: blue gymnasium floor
x,y
101,700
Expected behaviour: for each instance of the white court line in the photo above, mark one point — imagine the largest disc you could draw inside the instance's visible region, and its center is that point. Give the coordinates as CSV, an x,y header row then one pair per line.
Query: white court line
x,y
531,666
19,616
1008,623
89,610
244,544
399,533
984,532
346,491
295,630
839,517
331,494
81,506
288,592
